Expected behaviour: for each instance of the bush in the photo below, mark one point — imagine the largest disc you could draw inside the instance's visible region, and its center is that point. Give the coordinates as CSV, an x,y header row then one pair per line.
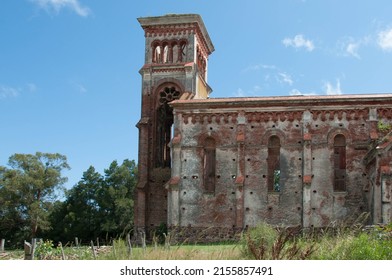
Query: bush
x,y
363,246
46,251
257,241
266,242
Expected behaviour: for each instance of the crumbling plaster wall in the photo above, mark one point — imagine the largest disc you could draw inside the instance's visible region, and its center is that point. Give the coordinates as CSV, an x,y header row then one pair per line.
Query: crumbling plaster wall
x,y
241,196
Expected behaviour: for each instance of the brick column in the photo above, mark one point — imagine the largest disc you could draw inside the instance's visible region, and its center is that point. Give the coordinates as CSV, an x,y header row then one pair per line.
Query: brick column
x,y
143,164
173,205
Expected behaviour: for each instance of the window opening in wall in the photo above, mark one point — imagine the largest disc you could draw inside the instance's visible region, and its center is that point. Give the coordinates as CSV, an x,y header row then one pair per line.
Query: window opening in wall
x,y
339,147
166,54
274,171
209,166
164,123
157,54
182,52
277,180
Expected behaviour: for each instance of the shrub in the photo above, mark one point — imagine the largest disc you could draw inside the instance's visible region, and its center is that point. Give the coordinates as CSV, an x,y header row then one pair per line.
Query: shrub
x,y
46,251
355,246
266,242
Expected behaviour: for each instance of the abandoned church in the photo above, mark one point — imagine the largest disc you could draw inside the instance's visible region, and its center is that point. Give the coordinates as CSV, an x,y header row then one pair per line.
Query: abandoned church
x,y
212,167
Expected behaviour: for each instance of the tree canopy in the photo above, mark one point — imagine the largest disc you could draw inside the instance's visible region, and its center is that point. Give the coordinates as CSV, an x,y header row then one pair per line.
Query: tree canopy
x,y
28,187
98,206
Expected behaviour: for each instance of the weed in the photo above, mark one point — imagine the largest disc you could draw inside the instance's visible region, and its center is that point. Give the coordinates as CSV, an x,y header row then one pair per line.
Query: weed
x,y
266,242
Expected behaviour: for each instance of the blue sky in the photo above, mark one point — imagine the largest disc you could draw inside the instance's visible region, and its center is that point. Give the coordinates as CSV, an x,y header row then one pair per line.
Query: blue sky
x,y
69,80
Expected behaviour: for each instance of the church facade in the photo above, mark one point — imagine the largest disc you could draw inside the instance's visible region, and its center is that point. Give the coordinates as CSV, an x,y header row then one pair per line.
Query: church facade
x,y
212,167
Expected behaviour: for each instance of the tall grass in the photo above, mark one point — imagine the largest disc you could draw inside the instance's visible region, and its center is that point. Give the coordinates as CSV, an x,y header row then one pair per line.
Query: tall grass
x,y
337,243
262,242
349,246
265,242
179,252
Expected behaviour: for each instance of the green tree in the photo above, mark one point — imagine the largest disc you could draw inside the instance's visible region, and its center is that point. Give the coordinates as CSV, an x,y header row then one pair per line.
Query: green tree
x,y
27,192
97,206
116,198
81,212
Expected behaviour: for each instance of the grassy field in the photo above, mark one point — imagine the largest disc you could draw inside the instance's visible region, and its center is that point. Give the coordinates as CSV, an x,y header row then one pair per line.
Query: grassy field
x,y
262,242
122,252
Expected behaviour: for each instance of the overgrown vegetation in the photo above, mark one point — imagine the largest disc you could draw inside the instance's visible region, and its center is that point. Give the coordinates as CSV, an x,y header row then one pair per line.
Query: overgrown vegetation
x,y
262,242
266,242
384,127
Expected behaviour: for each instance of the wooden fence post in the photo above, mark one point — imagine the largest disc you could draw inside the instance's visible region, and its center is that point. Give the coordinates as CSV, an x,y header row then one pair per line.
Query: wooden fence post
x,y
62,251
2,243
27,251
92,248
114,250
76,242
129,244
144,241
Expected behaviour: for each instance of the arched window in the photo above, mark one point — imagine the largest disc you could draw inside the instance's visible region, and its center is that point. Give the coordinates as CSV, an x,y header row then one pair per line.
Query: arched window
x,y
175,52
166,54
339,147
157,58
209,164
164,124
182,52
273,161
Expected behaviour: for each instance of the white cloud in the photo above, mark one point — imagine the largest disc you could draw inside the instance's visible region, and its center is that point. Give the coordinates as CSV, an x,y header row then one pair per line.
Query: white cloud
x,y
11,92
57,5
239,93
285,78
330,89
78,87
350,46
258,67
252,92
6,92
299,93
385,39
352,49
298,42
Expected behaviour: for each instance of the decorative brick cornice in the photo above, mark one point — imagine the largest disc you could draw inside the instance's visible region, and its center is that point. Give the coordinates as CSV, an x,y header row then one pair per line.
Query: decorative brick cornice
x,y
385,113
163,70
349,114
274,116
209,118
170,29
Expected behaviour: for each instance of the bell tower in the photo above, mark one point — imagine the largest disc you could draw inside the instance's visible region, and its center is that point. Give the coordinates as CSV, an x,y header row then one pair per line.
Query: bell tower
x,y
177,47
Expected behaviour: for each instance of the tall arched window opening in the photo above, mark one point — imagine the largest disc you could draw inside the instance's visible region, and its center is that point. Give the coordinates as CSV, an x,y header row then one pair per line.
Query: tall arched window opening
x,y
157,55
273,161
209,164
182,52
175,50
164,125
166,53
339,147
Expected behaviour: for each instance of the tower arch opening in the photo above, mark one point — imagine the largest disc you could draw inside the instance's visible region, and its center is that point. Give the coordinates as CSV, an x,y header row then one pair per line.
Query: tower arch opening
x,y
164,123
